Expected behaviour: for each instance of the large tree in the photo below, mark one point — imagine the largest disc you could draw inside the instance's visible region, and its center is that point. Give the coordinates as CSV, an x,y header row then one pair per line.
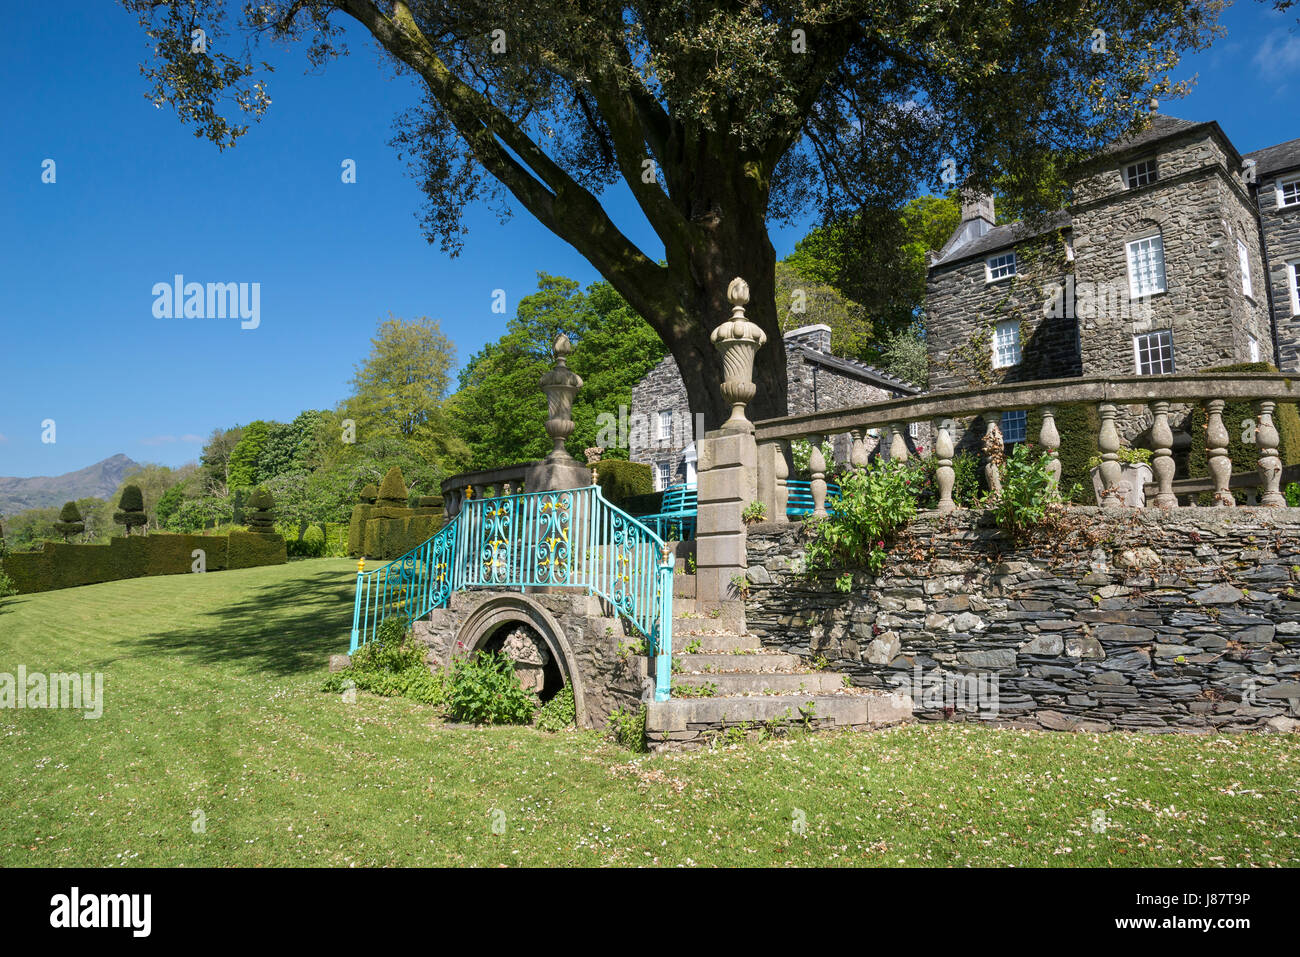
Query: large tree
x,y
720,117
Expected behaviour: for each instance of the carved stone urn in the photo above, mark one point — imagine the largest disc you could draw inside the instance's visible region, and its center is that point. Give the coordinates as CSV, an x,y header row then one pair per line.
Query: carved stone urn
x,y
738,340
560,384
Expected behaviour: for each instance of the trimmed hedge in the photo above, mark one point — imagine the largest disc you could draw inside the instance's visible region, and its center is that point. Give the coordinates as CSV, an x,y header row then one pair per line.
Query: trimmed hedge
x,y
250,549
1243,455
59,565
1078,424
621,480
650,504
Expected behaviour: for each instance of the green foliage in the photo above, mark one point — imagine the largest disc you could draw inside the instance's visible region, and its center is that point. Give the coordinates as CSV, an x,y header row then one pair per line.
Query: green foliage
x,y
559,713
245,457
369,493
904,356
1125,456
485,689
70,522
1027,492
1292,492
801,451
399,389
260,511
754,512
392,665
621,480
392,491
874,503
627,728
1239,419
131,511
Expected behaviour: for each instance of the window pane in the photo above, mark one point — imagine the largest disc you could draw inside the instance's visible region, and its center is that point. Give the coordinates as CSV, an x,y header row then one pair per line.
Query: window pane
x,y
1243,259
1140,174
1013,426
1006,344
1001,267
1155,353
1290,192
1146,266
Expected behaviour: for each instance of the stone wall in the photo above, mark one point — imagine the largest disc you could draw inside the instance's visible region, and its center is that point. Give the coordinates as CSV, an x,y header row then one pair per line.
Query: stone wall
x,y
1185,621
1281,229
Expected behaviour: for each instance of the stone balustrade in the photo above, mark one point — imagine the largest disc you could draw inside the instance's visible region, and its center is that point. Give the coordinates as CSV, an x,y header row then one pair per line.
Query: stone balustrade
x,y
944,409
506,480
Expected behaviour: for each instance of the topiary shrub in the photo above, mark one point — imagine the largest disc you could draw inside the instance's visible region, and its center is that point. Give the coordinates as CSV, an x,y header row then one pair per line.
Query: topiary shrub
x,y
1242,450
369,493
70,522
260,512
621,480
392,491
131,511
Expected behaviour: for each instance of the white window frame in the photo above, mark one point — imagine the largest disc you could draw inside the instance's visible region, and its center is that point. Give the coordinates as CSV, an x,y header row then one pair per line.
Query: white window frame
x,y
1157,334
1243,261
1133,291
1012,343
1293,285
1000,267
1281,185
664,424
1253,345
663,475
1021,418
914,430
1142,168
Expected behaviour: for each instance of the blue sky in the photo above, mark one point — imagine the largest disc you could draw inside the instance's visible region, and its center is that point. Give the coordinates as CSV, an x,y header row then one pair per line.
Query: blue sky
x,y
139,199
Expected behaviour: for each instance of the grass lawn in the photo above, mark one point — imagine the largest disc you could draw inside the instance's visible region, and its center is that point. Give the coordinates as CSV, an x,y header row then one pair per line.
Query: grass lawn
x,y
212,705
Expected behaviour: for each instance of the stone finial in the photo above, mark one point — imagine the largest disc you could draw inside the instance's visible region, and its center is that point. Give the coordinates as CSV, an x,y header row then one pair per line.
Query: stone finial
x,y
560,384
738,340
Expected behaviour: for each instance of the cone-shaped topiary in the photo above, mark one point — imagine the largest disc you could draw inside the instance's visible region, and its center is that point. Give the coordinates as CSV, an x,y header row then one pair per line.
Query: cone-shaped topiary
x,y
369,493
132,513
392,491
260,511
69,522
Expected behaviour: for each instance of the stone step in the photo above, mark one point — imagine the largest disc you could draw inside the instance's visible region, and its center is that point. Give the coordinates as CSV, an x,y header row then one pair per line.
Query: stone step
x,y
692,722
728,683
754,664
683,589
718,643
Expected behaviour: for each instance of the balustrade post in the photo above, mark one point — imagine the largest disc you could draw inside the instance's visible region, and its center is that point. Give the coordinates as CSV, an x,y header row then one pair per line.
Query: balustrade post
x,y
1162,461
1216,442
897,443
1050,439
994,453
1270,465
817,466
1108,442
944,473
858,450
782,483
771,461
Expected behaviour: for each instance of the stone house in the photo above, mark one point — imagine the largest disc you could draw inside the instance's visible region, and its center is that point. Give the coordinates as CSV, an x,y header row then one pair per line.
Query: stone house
x,y
1176,253
663,430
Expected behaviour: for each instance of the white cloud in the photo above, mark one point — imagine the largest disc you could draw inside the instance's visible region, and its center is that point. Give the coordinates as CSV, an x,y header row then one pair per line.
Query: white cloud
x,y
190,437
1279,55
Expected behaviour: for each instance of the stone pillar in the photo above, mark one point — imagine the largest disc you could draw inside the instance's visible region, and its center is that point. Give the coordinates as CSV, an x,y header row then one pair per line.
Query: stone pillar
x,y
1216,442
897,443
1162,462
1108,443
993,453
858,450
1050,439
782,483
559,470
1270,466
944,474
817,469
771,475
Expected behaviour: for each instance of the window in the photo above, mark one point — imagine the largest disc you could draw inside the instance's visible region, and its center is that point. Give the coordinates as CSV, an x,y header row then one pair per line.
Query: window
x,y
1000,267
1153,353
1140,174
663,475
1146,267
665,424
1254,348
1243,259
914,429
1013,426
1288,192
1293,285
1006,344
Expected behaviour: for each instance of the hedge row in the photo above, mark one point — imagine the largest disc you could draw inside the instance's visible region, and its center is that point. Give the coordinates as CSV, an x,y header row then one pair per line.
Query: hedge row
x,y
60,565
385,532
621,480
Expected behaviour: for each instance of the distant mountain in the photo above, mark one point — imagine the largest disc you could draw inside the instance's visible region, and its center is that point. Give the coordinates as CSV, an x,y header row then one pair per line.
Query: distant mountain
x,y
99,480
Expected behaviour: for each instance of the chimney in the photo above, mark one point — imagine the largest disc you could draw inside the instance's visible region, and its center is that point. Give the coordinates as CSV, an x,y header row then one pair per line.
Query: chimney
x,y
816,337
976,205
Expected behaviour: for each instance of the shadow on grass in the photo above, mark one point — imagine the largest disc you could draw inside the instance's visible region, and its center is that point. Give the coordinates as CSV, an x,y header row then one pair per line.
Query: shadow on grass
x,y
282,628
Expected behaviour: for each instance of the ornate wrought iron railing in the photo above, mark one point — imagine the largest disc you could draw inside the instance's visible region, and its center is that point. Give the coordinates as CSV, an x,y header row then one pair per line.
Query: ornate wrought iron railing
x,y
562,539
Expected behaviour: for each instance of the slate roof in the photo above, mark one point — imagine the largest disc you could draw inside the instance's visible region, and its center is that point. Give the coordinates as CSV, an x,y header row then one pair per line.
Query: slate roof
x,y
853,367
1275,159
1002,237
1161,126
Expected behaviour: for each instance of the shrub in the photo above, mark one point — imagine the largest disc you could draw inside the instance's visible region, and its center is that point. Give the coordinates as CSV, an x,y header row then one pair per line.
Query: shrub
x,y
260,512
1125,456
392,665
621,480
484,689
874,503
801,451
559,713
368,494
1027,495
754,512
131,511
392,490
70,522
643,504
627,728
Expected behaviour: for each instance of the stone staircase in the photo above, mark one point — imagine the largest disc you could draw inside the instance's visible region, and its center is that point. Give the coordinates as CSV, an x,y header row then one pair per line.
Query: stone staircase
x,y
725,683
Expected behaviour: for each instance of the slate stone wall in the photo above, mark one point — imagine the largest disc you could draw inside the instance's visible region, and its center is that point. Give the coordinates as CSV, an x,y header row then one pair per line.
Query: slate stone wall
x,y
1143,621
1281,232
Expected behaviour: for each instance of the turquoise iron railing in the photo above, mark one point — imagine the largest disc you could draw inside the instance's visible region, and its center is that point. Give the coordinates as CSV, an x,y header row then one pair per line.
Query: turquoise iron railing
x,y
569,539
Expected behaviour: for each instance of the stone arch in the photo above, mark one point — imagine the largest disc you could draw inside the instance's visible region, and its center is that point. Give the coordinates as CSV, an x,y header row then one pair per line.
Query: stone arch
x,y
485,620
